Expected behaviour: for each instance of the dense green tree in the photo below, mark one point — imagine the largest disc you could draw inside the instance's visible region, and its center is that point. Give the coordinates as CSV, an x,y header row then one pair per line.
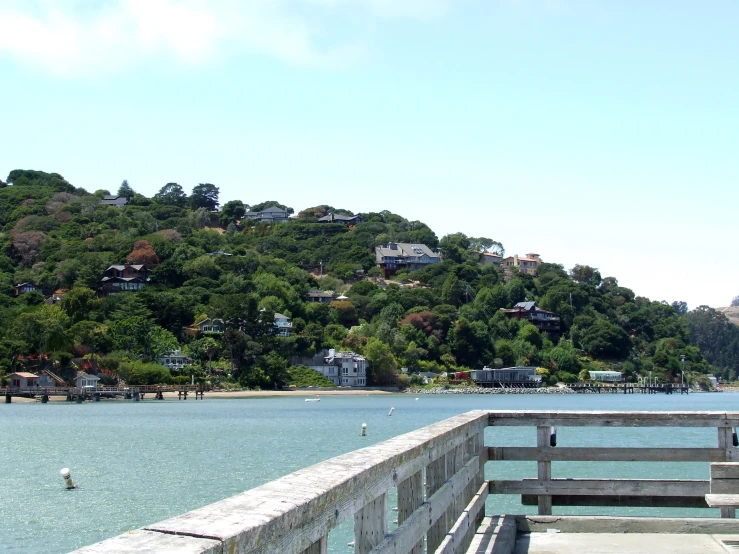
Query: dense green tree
x,y
232,211
126,190
171,194
204,195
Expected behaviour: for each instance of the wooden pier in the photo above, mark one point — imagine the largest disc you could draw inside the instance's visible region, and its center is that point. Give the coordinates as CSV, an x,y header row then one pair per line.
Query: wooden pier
x,y
74,394
438,475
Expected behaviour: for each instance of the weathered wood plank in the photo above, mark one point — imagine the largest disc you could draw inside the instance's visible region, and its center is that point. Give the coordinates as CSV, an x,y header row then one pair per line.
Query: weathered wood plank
x,y
569,454
410,498
544,469
318,547
141,541
725,471
609,524
722,486
621,500
435,478
370,525
496,535
596,487
613,419
455,540
722,500
420,522
288,515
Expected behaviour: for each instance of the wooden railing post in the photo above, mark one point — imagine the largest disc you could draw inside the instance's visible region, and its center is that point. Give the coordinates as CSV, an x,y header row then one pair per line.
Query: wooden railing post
x,y
410,498
370,525
318,547
725,442
543,434
435,478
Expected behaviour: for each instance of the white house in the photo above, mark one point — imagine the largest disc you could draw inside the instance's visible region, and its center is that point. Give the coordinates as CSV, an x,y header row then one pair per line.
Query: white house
x,y
86,380
23,379
283,325
342,368
175,360
209,325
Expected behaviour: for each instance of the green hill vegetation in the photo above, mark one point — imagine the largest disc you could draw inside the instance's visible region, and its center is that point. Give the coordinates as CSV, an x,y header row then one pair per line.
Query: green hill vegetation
x,y
210,262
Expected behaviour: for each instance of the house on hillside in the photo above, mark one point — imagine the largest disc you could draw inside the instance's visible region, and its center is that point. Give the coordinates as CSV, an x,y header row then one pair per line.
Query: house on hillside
x,y
340,218
541,319
114,200
322,296
269,215
124,277
57,295
23,288
525,264
175,360
209,325
489,258
283,325
341,368
394,256
23,380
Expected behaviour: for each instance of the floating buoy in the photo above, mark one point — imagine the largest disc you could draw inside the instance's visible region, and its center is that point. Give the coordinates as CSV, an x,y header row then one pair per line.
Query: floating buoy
x,y
416,398
67,478
364,430
351,543
390,412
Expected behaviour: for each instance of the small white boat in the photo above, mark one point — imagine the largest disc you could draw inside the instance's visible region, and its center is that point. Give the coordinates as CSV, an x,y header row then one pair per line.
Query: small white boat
x,y
316,399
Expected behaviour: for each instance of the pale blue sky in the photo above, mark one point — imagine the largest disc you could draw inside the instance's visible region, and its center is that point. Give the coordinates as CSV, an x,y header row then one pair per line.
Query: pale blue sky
x,y
588,131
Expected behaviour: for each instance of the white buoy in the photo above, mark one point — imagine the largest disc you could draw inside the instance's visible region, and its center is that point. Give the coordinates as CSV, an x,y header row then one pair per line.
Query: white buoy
x,y
416,398
364,430
390,412
67,478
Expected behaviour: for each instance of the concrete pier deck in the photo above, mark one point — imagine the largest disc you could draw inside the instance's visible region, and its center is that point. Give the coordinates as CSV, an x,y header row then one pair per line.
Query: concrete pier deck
x,y
604,535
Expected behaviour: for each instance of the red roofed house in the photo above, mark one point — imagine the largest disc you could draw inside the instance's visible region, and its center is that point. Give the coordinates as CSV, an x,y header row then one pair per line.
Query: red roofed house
x,y
525,264
22,380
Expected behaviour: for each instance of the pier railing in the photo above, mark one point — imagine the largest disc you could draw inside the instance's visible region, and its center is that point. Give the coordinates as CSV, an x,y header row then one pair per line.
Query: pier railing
x,y
441,492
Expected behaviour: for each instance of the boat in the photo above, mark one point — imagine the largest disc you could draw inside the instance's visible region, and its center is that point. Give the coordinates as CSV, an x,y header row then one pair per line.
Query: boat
x,y
316,399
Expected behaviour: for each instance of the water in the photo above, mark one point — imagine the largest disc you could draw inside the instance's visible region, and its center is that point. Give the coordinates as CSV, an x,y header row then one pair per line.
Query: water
x,y
139,463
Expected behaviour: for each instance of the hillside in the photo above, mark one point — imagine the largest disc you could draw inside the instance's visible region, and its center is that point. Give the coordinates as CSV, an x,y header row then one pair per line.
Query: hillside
x,y
731,313
194,259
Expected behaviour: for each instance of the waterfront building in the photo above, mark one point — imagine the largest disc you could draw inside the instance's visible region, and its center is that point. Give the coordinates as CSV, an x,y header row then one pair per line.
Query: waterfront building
x,y
606,376
521,376
175,360
347,369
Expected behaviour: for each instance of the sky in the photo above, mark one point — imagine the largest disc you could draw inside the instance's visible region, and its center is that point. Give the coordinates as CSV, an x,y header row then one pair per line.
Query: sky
x,y
588,131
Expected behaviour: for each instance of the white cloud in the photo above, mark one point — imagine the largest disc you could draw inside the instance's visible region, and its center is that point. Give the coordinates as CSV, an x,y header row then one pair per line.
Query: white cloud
x,y
79,36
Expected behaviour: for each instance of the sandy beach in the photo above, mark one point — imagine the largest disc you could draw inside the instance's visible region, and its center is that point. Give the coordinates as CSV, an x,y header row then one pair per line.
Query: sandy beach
x,y
235,394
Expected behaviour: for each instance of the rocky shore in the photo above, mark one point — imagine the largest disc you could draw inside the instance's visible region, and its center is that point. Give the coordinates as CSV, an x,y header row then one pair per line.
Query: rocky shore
x,y
487,390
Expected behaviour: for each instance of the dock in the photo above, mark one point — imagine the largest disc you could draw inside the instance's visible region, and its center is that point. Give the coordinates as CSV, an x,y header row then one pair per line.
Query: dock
x,y
445,504
75,394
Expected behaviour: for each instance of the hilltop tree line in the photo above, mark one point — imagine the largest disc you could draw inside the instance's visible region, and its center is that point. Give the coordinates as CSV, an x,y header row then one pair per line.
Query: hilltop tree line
x,y
206,260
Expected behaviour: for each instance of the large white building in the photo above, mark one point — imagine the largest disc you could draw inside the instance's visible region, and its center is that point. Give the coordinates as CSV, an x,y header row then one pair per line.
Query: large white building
x,y
345,369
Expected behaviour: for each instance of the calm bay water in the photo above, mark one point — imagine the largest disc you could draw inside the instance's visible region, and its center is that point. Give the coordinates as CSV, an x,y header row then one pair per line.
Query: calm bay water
x,y
139,463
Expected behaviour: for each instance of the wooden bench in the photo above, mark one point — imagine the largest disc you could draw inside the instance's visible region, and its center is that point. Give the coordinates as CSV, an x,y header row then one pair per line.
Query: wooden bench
x,y
724,488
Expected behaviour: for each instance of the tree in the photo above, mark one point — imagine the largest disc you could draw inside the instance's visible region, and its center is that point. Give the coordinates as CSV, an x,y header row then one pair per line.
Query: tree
x,y
382,364
586,274
232,211
43,331
126,190
171,194
28,246
735,302
204,195
80,303
143,253
681,308
139,335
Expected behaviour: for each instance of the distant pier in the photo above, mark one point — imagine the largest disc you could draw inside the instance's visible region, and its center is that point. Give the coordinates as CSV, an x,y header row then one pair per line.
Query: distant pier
x,y
75,394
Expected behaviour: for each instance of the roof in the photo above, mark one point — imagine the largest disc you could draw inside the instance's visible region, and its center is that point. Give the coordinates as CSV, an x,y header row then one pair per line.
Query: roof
x,y
491,255
530,305
24,284
122,267
337,217
404,250
321,294
281,316
270,210
25,375
83,375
